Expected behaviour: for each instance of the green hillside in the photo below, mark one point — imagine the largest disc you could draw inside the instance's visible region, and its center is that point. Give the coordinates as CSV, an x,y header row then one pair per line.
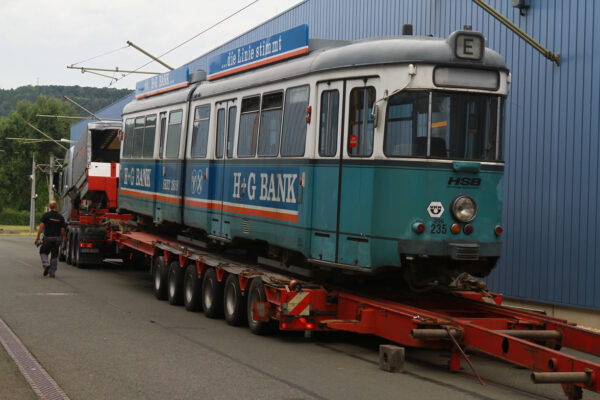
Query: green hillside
x,y
94,99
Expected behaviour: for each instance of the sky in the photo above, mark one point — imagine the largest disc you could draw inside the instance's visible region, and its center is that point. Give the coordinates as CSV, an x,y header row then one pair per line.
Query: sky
x,y
40,38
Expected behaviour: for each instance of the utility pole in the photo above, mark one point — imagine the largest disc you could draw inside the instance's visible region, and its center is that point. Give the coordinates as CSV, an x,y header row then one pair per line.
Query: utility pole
x,y
33,197
51,179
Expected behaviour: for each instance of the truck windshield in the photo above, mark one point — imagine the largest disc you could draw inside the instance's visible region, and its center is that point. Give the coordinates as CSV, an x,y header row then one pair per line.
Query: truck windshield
x,y
464,126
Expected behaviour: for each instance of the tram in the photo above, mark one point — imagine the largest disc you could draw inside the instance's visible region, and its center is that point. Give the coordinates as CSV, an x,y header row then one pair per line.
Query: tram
x,y
374,156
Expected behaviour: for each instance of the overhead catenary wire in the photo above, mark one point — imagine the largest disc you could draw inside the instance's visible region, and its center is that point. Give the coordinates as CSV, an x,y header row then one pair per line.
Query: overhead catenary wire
x,y
192,38
101,55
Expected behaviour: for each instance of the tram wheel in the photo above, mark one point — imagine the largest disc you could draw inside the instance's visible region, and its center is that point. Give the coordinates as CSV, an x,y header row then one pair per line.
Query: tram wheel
x,y
234,302
256,292
212,294
159,275
175,283
192,289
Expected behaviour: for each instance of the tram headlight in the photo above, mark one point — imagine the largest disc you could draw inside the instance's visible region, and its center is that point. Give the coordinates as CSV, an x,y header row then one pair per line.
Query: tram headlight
x,y
464,208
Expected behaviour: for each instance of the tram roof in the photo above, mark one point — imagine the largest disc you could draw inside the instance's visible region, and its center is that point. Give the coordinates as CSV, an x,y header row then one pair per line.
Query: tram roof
x,y
335,55
363,53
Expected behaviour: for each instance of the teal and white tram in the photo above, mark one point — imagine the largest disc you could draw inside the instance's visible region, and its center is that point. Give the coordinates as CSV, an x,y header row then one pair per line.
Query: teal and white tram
x,y
367,156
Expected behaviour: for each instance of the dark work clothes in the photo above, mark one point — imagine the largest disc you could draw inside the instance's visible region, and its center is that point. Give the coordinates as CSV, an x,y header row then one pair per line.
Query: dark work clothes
x,y
50,246
53,225
53,222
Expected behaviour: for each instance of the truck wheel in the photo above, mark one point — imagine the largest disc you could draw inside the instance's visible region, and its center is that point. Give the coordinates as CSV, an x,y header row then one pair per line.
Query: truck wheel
x,y
212,294
175,282
69,249
192,289
256,292
234,303
73,249
160,278
78,263
62,254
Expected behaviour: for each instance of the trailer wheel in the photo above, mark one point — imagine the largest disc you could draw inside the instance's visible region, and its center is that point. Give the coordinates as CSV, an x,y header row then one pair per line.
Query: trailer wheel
x,y
234,302
256,292
160,278
192,289
175,282
212,294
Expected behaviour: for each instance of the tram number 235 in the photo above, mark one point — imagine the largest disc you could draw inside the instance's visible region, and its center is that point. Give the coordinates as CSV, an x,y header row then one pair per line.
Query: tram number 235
x,y
438,228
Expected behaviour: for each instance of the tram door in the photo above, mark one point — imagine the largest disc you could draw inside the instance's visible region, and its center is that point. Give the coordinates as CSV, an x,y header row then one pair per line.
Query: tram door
x,y
326,173
358,173
226,124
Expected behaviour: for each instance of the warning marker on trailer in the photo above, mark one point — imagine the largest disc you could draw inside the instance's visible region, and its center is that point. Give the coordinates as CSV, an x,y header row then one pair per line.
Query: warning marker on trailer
x,y
299,304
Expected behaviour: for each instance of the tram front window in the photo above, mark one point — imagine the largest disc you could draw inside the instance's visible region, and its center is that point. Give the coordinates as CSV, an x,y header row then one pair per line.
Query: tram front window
x,y
466,124
463,126
406,125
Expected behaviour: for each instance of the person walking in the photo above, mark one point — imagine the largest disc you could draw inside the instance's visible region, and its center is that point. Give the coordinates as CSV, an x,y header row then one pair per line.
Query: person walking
x,y
52,225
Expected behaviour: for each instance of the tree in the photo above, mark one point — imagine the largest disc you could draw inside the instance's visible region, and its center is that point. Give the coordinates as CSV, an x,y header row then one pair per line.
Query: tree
x,y
15,160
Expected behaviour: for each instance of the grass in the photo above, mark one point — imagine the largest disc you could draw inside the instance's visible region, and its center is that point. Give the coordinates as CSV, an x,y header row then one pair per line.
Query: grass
x,y
15,230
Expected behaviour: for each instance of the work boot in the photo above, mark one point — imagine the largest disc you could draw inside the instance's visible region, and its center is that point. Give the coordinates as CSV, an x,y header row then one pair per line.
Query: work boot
x,y
46,270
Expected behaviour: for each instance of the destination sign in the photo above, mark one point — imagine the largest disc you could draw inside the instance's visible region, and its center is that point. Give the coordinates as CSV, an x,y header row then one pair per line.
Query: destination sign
x,y
281,46
171,80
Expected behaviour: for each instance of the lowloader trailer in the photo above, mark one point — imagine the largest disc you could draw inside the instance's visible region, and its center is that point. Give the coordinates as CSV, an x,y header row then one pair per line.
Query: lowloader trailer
x,y
454,320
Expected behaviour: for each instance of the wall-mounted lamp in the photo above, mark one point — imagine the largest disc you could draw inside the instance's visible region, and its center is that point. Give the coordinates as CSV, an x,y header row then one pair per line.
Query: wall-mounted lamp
x,y
522,5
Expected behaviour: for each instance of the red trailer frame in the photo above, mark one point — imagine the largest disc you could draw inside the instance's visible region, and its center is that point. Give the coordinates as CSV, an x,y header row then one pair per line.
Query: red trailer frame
x,y
453,321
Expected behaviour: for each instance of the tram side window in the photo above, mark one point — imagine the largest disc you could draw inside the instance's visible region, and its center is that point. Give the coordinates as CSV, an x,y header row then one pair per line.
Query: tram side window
x,y
231,130
406,125
270,124
163,133
293,137
500,148
249,117
138,135
174,134
328,128
128,139
360,140
200,136
220,132
149,132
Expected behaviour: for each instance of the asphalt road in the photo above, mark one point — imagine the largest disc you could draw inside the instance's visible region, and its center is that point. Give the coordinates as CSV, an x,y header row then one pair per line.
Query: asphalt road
x,y
101,334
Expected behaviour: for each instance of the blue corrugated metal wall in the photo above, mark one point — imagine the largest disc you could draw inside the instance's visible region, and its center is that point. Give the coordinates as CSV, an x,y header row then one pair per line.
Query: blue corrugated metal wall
x,y
552,182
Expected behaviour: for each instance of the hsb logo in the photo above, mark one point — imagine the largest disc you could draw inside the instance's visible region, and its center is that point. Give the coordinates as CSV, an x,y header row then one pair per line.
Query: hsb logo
x,y
464,181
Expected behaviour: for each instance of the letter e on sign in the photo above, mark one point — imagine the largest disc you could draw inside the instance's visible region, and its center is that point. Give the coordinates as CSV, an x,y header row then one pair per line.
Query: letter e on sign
x,y
469,46
435,209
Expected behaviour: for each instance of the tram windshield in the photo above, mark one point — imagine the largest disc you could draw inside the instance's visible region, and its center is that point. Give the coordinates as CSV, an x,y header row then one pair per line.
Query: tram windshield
x,y
464,126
